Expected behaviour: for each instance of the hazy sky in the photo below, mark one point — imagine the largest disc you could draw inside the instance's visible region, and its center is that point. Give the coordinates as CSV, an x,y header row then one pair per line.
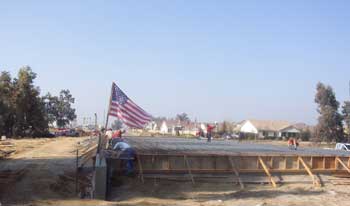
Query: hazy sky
x,y
214,60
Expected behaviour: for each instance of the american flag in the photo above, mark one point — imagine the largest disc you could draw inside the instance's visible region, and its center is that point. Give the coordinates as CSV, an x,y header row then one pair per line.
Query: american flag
x,y
126,110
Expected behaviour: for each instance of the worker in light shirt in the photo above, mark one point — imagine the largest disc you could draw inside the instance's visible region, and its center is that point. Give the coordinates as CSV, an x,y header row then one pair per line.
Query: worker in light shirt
x,y
109,133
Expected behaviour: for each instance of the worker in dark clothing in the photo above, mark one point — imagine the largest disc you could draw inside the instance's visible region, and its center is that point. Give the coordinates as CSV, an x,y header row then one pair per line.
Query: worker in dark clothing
x,y
296,143
127,153
209,132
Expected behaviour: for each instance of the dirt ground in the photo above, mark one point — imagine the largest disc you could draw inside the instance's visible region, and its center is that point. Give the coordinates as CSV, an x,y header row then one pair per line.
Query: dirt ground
x,y
49,164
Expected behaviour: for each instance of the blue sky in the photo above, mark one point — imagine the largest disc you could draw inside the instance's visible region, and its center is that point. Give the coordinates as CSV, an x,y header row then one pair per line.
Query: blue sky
x,y
214,60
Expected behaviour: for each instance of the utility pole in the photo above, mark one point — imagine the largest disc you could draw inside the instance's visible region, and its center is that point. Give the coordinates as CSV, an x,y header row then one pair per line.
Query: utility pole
x,y
96,121
104,116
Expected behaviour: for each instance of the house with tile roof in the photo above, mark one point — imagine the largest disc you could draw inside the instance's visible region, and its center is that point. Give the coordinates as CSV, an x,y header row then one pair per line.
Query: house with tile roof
x,y
269,128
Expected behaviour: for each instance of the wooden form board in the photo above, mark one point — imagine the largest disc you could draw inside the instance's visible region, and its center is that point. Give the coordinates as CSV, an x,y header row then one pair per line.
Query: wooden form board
x,y
156,163
160,164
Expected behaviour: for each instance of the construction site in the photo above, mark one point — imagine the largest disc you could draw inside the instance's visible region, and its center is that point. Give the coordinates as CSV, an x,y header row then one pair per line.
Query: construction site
x,y
171,171
190,159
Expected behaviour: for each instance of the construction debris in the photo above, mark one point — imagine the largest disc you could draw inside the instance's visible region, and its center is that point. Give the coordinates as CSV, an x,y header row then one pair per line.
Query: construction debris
x,y
86,151
6,148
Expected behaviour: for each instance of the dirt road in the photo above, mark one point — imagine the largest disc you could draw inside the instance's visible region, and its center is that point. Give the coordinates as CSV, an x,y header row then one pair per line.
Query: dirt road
x,y
45,161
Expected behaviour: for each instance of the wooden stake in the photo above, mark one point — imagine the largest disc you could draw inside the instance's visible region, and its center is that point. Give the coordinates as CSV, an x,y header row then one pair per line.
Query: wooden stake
x,y
267,171
336,163
189,169
307,168
76,172
285,163
235,171
140,169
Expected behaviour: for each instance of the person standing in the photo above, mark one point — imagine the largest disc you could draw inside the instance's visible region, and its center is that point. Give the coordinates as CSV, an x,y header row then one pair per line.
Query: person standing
x,y
295,143
290,143
109,133
209,131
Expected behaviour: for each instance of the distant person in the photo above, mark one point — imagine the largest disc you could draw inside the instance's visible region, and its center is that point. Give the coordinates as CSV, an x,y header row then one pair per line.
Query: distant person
x,y
293,143
118,133
200,133
209,131
290,143
109,133
116,136
296,143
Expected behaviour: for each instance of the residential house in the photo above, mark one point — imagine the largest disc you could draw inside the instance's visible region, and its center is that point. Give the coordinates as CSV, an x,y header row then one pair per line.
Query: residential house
x,y
269,129
173,126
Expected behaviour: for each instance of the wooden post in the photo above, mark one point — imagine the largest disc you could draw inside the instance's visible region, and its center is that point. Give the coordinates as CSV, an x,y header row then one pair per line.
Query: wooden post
x,y
140,168
76,172
235,171
336,163
298,164
267,171
271,162
307,168
189,169
285,163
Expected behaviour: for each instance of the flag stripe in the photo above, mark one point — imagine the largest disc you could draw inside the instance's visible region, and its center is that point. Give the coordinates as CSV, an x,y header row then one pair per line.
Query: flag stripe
x,y
125,119
131,112
123,111
131,109
126,110
139,109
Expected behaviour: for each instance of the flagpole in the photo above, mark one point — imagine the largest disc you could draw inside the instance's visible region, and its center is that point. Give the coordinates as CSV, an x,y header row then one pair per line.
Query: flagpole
x,y
104,140
109,106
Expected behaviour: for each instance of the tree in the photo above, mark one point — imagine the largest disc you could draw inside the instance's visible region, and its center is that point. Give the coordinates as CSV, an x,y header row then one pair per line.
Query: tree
x,y
29,107
117,124
59,109
6,104
329,127
346,116
183,117
51,103
24,113
224,127
305,134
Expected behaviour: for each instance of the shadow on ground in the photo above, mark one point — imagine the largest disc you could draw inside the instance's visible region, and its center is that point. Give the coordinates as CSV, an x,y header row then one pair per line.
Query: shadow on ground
x,y
40,179
200,192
